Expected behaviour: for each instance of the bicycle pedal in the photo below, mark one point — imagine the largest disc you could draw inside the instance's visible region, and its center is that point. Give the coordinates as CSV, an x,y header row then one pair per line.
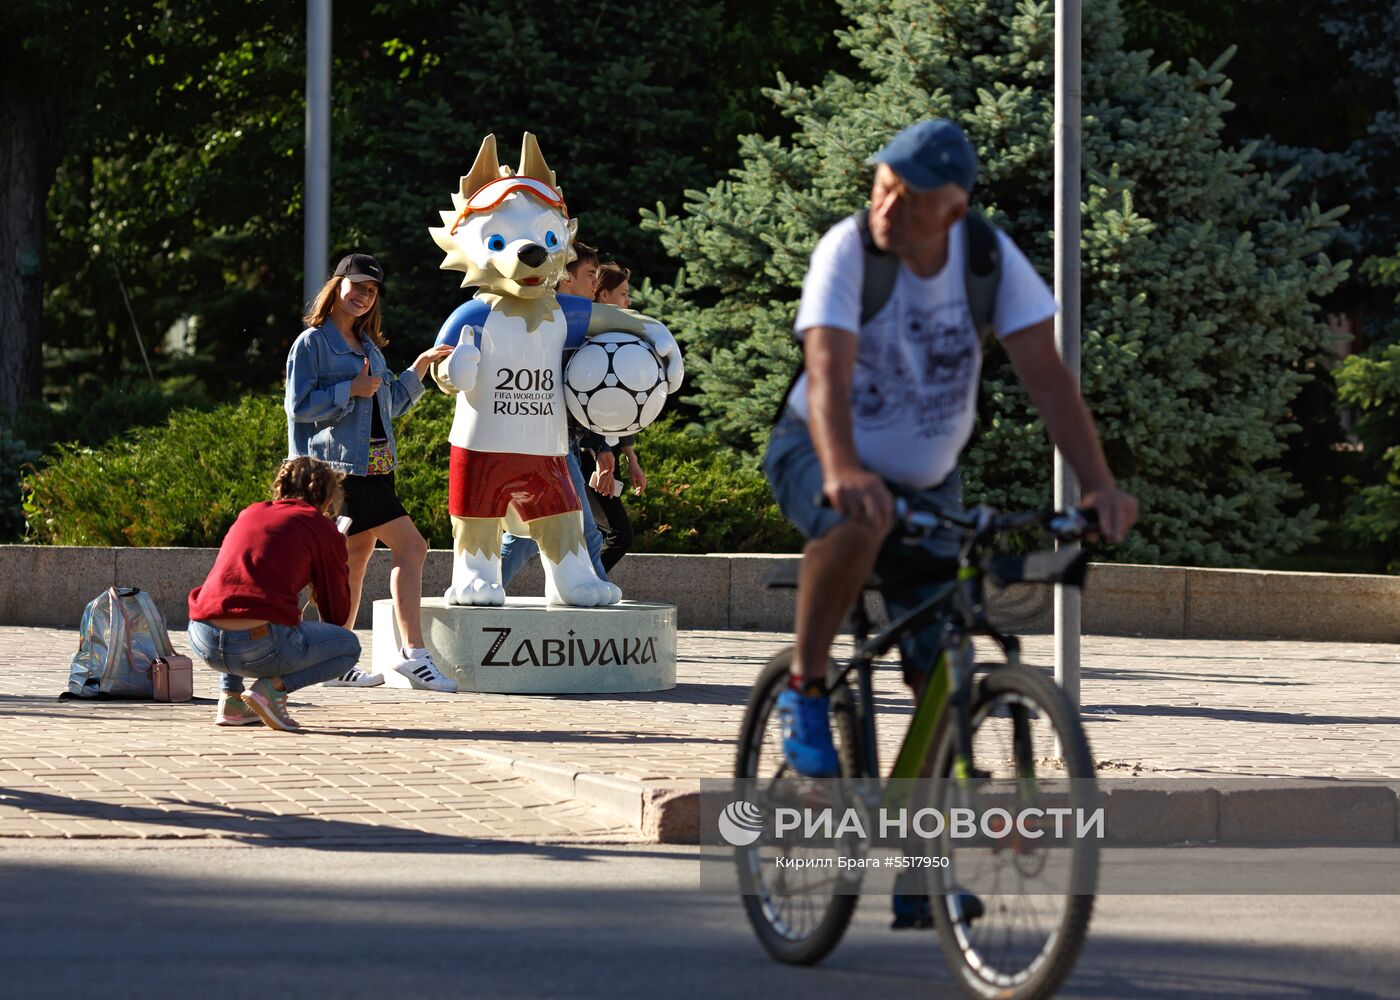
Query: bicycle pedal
x,y
911,912
970,907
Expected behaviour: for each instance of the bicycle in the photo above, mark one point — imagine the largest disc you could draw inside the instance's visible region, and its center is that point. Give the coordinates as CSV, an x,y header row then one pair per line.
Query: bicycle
x,y
977,729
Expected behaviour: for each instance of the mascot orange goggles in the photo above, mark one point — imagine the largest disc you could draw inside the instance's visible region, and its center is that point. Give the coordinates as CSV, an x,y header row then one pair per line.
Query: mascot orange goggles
x,y
492,194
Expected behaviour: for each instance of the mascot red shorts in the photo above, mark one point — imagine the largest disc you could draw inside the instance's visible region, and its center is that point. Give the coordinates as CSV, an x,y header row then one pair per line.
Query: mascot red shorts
x,y
485,483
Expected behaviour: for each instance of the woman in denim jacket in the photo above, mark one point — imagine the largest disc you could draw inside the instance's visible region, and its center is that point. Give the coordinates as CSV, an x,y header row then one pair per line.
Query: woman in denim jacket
x,y
341,403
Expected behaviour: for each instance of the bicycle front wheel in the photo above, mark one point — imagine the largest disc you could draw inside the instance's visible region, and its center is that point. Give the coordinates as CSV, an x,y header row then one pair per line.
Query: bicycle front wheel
x,y
1012,913
799,914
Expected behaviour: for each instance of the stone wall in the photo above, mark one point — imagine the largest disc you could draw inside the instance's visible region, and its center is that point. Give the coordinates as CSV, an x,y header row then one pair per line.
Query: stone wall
x,y
50,585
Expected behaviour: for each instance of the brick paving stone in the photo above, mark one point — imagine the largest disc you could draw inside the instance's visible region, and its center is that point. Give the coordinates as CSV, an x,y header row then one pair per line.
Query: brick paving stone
x,y
383,762
140,770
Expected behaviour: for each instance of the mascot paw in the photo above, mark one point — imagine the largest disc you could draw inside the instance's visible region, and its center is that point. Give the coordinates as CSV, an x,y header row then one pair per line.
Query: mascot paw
x,y
476,593
584,593
463,364
664,344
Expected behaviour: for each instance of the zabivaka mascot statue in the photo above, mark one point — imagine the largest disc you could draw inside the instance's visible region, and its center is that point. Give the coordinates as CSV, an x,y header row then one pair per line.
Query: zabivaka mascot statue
x,y
510,234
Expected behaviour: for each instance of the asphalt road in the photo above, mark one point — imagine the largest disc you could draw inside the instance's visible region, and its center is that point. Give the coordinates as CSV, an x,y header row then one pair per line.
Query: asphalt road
x,y
95,918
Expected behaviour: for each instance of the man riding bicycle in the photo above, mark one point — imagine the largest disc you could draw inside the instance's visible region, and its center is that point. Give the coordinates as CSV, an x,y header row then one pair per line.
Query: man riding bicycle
x,y
891,399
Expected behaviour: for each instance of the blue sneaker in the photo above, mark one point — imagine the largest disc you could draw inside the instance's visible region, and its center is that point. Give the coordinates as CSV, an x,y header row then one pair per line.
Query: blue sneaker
x,y
914,912
807,741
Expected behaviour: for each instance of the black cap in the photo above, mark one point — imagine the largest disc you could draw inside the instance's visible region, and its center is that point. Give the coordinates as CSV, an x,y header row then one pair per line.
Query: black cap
x,y
359,267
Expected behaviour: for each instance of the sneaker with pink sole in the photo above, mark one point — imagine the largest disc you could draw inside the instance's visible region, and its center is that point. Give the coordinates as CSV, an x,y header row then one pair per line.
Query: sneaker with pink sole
x,y
232,712
270,706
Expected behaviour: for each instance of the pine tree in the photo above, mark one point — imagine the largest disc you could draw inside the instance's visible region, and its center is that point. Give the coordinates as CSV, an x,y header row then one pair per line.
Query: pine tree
x,y
1199,287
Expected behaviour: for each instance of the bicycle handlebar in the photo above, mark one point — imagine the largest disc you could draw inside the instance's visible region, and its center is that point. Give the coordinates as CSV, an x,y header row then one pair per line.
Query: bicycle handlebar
x,y
981,522
1070,525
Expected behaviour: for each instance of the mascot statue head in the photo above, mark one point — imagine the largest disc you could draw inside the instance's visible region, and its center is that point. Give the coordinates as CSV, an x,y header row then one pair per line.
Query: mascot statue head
x,y
509,232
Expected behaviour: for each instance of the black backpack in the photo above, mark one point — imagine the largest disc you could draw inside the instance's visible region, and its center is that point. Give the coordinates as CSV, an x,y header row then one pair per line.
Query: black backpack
x,y
981,276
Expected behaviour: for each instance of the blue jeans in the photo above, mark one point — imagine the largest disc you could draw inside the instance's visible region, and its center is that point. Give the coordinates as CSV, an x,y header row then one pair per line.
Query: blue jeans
x,y
308,654
515,551
795,474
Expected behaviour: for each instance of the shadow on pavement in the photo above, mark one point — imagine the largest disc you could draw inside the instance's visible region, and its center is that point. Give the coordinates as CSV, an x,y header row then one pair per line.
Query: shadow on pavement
x,y
625,737
233,924
239,825
1246,715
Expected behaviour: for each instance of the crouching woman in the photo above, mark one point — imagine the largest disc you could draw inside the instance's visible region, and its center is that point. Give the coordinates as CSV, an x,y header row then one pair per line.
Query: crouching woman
x,y
244,618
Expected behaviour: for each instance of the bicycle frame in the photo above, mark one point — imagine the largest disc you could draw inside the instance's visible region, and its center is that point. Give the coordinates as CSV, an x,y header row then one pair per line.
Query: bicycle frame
x,y
949,682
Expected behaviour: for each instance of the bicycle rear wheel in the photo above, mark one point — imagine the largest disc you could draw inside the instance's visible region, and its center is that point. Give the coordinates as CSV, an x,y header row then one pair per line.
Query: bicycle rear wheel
x,y
1012,914
799,915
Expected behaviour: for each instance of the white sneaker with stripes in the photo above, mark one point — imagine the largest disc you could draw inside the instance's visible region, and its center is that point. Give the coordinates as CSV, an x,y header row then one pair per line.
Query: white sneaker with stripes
x,y
420,672
355,678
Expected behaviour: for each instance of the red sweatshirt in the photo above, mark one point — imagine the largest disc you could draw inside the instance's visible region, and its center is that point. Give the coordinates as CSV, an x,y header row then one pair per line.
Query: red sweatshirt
x,y
272,551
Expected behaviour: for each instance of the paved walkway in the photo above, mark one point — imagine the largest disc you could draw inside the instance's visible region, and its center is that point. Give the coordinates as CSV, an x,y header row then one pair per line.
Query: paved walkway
x,y
380,763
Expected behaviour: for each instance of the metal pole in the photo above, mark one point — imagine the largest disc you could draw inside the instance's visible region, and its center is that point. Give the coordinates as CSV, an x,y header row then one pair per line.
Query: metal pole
x,y
315,266
1067,170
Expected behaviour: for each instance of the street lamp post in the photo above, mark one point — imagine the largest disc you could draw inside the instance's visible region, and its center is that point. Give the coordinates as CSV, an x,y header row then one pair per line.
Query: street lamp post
x,y
317,188
1067,195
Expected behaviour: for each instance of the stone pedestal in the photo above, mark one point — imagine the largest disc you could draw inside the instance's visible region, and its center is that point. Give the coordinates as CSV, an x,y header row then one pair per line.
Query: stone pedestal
x,y
528,647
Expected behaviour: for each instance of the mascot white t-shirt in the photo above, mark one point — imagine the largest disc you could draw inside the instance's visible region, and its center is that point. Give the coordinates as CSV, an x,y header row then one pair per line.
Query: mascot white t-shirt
x,y
517,404
914,395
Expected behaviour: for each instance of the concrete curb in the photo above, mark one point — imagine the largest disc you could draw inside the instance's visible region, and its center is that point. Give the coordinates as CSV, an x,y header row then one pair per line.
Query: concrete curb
x,y
726,591
1228,810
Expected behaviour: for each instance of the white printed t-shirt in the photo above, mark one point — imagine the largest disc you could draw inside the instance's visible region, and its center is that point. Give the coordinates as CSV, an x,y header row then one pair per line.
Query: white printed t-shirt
x,y
918,360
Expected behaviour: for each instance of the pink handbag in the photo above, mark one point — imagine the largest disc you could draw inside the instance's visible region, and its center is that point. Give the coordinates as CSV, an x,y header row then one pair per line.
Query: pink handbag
x,y
172,678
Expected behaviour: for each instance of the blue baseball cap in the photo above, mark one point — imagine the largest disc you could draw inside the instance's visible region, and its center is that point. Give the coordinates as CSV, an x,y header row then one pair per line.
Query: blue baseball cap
x,y
930,154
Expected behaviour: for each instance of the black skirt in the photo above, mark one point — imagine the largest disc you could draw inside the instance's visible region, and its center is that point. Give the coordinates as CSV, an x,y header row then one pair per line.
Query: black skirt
x,y
370,502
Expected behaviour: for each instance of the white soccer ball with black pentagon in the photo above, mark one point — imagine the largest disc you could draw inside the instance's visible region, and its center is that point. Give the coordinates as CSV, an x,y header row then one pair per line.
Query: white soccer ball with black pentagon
x,y
615,384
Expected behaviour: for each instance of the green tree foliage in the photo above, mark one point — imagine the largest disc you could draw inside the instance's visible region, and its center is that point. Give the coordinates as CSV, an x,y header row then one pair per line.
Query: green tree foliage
x,y
1371,383
178,199
1199,286
174,219
1332,108
181,185
184,482
181,483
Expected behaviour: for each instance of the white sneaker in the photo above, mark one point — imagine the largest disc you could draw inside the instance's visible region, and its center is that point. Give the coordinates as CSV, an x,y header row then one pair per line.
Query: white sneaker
x,y
421,672
355,678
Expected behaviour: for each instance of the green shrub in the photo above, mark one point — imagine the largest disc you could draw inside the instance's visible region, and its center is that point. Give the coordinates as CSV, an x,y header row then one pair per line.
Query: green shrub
x,y
179,484
33,435
184,483
702,497
92,419
421,436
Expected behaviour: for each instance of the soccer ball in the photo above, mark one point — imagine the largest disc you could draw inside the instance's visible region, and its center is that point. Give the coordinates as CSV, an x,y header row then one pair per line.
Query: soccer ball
x,y
615,384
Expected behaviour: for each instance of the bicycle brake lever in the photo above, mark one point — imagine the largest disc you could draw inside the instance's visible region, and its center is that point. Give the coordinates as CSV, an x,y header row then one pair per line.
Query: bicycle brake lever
x,y
1076,524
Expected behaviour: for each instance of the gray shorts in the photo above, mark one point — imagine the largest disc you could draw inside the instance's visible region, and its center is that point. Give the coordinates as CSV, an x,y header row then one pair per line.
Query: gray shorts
x,y
795,474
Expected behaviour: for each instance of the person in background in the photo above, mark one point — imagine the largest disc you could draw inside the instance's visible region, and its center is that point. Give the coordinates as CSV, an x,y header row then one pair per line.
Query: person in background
x,y
604,497
613,285
341,403
244,618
